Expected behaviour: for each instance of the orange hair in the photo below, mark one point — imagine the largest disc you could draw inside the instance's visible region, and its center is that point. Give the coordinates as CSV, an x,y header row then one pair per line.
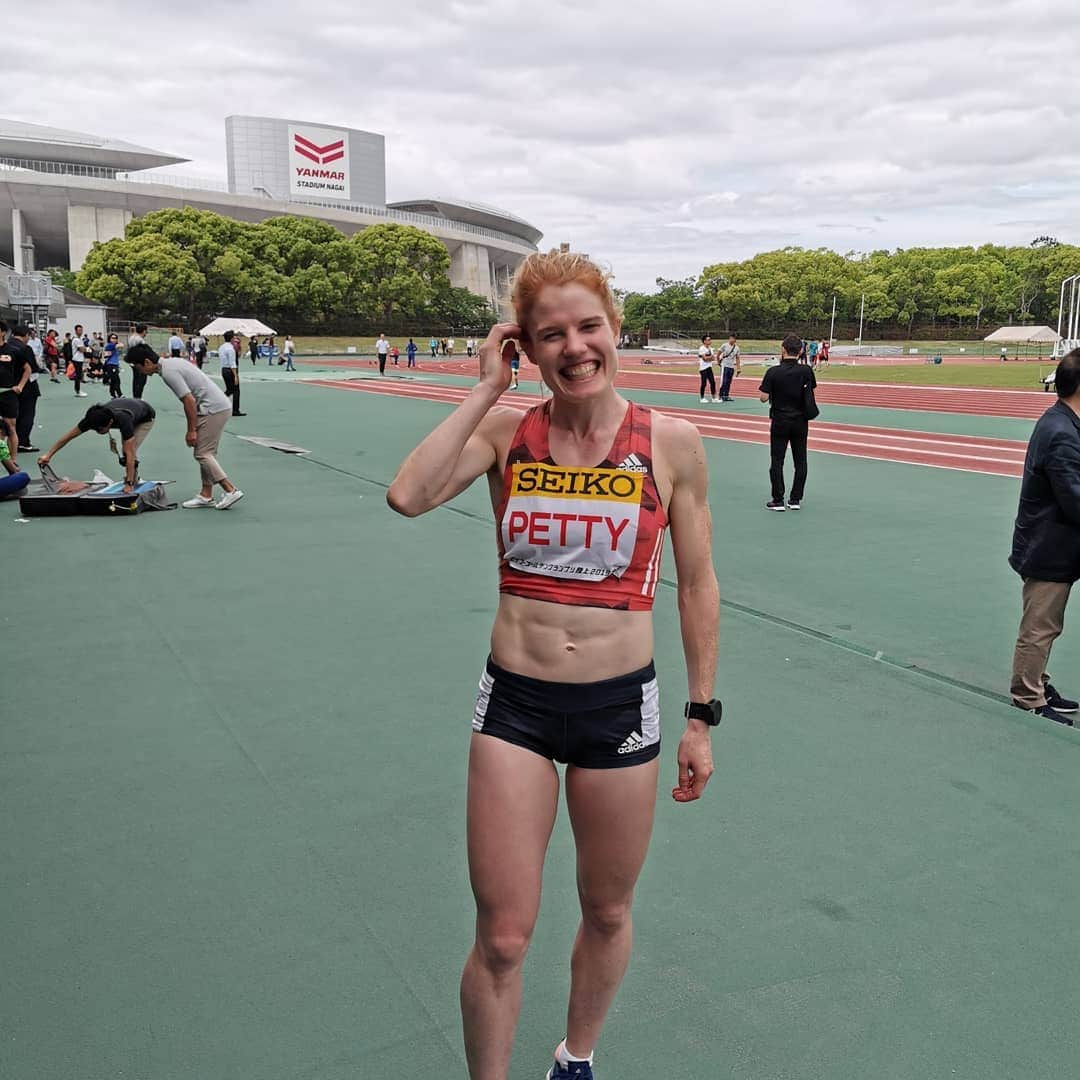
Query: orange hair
x,y
560,268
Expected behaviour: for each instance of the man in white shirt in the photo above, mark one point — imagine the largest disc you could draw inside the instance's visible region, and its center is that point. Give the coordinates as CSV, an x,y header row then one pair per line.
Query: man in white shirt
x,y
705,370
470,346
230,371
382,347
730,366
207,411
449,346
288,349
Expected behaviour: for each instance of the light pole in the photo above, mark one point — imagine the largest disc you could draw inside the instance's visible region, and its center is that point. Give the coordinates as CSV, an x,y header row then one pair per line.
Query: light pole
x,y
832,323
862,308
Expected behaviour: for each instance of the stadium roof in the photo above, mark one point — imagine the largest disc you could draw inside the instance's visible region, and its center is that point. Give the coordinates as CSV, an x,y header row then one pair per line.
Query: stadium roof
x,y
489,217
37,142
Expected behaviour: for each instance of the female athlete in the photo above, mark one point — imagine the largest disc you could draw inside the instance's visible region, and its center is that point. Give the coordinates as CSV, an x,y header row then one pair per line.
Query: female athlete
x,y
583,487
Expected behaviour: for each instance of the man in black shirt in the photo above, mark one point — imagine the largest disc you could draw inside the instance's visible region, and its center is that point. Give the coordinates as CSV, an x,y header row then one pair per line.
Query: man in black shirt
x,y
131,417
15,371
28,399
785,387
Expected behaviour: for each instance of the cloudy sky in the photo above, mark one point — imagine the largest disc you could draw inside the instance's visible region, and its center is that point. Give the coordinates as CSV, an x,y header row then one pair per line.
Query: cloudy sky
x,y
657,137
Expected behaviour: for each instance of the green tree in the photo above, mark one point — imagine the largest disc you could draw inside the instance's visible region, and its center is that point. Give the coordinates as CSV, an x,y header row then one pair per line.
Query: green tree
x,y
398,269
61,276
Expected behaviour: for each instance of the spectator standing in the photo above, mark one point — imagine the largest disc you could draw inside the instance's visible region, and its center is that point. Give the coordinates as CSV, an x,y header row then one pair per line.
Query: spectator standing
x,y
80,355
785,388
730,366
382,347
1046,544
230,371
15,369
199,344
470,347
434,345
34,341
394,354
705,370
289,348
253,349
410,351
802,352
52,355
28,399
823,354
206,409
112,365
138,379
270,350
811,353
449,346
176,344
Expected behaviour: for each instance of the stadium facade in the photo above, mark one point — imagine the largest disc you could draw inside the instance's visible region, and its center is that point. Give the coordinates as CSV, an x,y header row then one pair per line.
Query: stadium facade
x,y
64,191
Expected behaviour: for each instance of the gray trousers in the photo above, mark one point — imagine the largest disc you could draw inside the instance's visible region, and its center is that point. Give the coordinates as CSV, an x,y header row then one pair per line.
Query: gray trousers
x,y
1040,626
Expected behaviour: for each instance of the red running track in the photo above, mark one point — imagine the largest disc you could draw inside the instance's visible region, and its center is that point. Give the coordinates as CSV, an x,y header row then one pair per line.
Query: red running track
x,y
976,401
1000,457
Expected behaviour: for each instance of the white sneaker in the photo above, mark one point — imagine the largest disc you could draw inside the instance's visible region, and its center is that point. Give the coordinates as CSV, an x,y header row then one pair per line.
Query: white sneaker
x,y
196,503
80,394
229,499
703,400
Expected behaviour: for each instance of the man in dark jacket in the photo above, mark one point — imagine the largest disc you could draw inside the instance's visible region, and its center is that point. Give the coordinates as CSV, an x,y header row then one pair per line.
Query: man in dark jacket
x,y
1046,544
784,388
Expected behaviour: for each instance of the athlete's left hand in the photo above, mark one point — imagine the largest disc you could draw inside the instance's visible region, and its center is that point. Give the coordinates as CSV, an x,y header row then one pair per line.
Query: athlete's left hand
x,y
695,764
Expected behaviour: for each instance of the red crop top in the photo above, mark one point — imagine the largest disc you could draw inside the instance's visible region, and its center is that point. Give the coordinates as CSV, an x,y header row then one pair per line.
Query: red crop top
x,y
592,537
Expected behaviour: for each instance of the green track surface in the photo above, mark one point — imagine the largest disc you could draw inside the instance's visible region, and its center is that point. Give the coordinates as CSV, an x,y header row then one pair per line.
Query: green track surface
x,y
232,782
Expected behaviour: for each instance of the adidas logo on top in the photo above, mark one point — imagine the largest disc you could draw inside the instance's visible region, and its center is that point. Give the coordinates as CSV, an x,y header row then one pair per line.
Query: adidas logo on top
x,y
633,743
632,463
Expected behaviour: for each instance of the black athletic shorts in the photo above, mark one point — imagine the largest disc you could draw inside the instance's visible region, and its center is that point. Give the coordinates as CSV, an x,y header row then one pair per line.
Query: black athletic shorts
x,y
610,724
9,404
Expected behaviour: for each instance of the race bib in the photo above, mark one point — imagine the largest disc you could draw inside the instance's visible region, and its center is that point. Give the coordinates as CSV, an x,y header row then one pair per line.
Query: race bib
x,y
571,522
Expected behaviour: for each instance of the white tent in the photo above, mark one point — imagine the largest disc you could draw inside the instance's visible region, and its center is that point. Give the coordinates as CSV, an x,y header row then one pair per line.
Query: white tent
x,y
241,324
1023,335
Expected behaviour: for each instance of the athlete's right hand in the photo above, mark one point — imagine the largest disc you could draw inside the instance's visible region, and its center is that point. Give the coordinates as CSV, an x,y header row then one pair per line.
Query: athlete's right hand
x,y
44,459
495,354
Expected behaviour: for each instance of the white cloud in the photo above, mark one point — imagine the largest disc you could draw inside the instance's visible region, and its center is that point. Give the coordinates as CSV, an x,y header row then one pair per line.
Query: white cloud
x,y
657,139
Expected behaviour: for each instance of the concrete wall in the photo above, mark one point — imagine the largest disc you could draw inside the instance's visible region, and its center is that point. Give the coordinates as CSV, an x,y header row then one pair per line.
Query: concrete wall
x,y
88,225
470,269
92,318
22,244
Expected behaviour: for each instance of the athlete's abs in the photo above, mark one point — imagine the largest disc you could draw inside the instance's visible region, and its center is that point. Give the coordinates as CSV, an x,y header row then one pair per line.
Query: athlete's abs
x,y
565,643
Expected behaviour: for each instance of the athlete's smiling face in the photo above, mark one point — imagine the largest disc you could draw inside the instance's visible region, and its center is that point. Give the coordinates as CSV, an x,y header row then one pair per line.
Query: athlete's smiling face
x,y
572,341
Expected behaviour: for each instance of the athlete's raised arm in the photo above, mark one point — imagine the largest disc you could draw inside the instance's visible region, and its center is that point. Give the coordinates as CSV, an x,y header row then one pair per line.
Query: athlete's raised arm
x,y
462,447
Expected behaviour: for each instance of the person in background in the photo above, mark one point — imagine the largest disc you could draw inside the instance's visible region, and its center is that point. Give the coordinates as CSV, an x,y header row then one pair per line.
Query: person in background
x,y
230,371
270,351
811,353
394,354
80,355
138,380
382,347
730,366
450,346
434,345
176,344
705,370
515,365
288,349
199,344
1046,545
410,351
470,347
206,410
34,341
112,365
133,419
15,370
52,355
802,359
823,354
253,349
784,388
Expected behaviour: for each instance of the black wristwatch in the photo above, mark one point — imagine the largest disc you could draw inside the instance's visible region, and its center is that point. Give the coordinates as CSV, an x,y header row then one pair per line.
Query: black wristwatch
x,y
708,711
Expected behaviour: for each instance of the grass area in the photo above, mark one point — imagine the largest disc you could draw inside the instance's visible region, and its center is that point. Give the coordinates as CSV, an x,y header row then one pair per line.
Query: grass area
x,y
1004,376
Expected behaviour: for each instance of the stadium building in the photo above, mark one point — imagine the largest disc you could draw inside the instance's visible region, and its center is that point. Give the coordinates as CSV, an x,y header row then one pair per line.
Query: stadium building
x,y
63,191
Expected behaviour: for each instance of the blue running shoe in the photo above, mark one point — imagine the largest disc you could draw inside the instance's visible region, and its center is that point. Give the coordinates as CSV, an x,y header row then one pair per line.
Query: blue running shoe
x,y
576,1070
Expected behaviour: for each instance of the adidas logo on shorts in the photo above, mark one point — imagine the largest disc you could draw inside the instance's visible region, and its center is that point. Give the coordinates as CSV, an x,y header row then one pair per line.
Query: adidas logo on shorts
x,y
634,742
632,463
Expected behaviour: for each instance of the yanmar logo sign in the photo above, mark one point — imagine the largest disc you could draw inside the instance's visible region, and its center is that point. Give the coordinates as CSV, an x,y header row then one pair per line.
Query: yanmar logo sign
x,y
318,162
